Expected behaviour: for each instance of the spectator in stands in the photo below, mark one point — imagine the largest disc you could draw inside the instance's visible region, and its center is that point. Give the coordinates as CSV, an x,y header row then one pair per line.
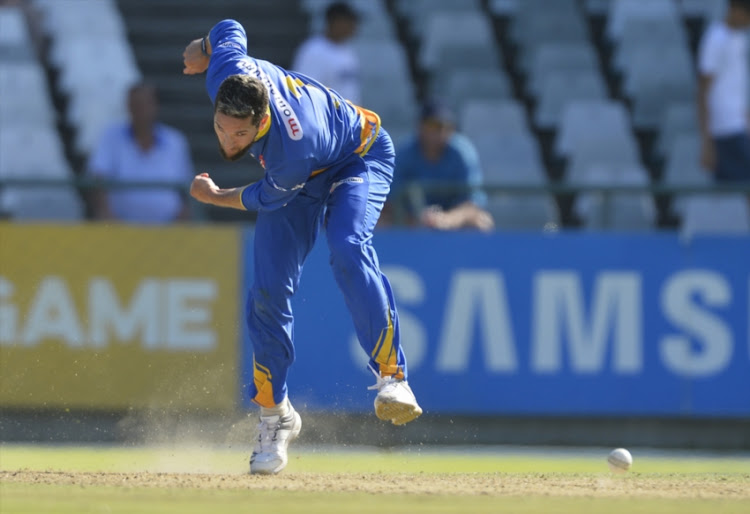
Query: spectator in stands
x,y
722,102
439,157
330,58
142,150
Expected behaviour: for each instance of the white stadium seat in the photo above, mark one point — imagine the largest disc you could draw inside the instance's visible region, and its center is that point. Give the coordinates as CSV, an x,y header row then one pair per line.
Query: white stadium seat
x,y
708,214
502,118
618,210
680,118
622,10
24,95
451,29
563,87
523,212
591,120
512,160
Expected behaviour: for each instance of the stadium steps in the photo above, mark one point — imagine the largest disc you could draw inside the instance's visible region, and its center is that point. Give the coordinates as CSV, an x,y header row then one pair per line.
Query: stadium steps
x,y
553,166
646,138
275,28
419,77
43,44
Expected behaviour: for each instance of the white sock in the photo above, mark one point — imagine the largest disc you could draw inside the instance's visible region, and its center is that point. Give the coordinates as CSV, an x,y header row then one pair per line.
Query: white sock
x,y
280,409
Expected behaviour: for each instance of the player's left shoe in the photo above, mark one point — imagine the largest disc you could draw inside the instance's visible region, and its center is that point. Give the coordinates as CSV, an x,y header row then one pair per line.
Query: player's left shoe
x,y
274,435
395,401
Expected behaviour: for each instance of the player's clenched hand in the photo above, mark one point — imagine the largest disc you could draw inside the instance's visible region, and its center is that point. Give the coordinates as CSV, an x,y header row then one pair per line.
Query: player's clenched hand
x,y
203,188
194,59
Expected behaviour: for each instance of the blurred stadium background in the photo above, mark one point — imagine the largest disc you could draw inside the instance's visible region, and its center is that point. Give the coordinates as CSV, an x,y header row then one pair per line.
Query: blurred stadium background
x,y
611,306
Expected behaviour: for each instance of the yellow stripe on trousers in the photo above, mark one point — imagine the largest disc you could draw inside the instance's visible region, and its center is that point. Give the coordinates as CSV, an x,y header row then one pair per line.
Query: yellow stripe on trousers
x,y
262,379
384,353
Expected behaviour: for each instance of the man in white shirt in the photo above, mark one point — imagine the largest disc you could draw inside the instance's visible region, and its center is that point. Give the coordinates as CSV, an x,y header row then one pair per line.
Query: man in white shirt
x,y
329,58
723,95
142,150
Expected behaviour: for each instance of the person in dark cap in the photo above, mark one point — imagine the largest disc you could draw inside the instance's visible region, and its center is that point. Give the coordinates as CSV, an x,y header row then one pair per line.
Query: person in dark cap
x,y
330,58
438,177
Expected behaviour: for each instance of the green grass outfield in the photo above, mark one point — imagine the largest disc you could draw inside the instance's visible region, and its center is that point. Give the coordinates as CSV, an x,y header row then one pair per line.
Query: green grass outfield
x,y
726,481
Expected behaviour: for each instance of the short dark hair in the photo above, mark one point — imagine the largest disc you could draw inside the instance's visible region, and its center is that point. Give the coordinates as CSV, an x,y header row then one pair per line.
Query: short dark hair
x,y
340,10
744,4
242,96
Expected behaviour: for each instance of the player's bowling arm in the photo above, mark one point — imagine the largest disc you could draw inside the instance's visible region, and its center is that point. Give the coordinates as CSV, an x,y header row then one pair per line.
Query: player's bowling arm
x,y
205,190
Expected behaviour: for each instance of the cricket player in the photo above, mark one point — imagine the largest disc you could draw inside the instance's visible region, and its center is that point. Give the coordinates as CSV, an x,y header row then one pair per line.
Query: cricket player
x,y
329,164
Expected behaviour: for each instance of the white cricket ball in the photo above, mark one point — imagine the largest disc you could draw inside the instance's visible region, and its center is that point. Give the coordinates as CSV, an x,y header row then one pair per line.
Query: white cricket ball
x,y
619,460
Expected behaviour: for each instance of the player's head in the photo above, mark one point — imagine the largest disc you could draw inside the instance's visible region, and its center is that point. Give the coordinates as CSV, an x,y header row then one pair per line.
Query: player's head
x,y
437,124
240,108
739,13
341,22
142,105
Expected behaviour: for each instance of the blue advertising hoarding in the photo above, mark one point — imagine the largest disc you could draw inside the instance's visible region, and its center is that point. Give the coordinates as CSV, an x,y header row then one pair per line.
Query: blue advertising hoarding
x,y
532,324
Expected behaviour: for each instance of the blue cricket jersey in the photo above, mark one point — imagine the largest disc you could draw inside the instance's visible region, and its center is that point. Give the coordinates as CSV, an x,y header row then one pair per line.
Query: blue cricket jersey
x,y
312,127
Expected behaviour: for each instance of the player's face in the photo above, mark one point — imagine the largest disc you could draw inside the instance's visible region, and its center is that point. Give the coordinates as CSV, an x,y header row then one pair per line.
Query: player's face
x,y
434,135
236,135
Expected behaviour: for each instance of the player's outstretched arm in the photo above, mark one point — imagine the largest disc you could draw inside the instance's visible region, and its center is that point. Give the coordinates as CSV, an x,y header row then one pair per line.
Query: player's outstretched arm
x,y
205,190
197,56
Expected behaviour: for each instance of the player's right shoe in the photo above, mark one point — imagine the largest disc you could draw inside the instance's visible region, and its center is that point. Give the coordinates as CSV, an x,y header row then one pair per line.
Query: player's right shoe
x,y
395,401
274,435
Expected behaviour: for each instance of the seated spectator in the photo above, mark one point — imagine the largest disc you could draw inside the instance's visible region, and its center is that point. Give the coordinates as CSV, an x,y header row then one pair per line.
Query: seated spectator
x,y
438,175
722,105
329,58
142,150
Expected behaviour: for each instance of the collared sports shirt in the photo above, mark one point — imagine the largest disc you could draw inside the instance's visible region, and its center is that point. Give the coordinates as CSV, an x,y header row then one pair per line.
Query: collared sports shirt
x,y
312,127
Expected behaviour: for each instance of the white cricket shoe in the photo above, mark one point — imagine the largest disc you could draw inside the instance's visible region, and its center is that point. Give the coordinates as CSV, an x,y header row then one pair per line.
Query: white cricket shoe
x,y
275,433
395,401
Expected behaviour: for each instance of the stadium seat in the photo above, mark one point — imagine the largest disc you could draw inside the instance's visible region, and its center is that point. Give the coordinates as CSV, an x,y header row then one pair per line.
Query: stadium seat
x,y
678,119
617,210
551,32
523,212
467,85
597,7
549,24
445,29
505,7
59,203
71,18
382,58
590,152
386,83
514,160
622,10
473,55
553,57
14,32
417,12
501,118
562,87
670,65
592,120
715,214
647,33
90,48
652,100
24,95
706,9
32,151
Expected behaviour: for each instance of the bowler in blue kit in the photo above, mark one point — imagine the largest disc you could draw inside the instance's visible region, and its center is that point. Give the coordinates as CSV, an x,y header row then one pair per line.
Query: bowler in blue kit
x,y
328,164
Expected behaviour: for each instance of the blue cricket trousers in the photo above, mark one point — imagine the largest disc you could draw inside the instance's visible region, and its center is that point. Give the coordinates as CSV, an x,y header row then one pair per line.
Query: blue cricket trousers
x,y
347,199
